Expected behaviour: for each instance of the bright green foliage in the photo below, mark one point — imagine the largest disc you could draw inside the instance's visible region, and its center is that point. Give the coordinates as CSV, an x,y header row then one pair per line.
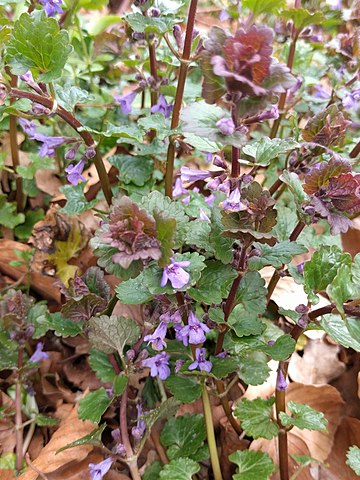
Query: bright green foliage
x,y
133,291
101,365
208,289
120,382
344,331
44,421
38,44
140,23
133,169
245,322
8,461
302,17
93,438
56,322
153,471
165,233
266,149
256,417
94,405
68,97
223,366
23,231
179,469
264,6
8,216
341,288
253,370
252,465
8,352
222,246
166,410
303,417
37,163
280,253
111,334
183,436
184,389
76,201
323,267
353,459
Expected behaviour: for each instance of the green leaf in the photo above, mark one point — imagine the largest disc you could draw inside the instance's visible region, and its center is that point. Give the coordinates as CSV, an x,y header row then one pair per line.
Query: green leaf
x,y
283,347
37,43
341,288
37,163
323,267
256,417
165,233
8,462
120,382
183,435
263,6
158,123
105,254
45,421
101,365
111,334
344,331
166,410
8,216
123,132
280,253
208,289
180,469
292,180
201,144
170,209
133,291
159,25
153,274
94,405
24,231
56,322
303,417
245,322
198,235
353,459
93,438
253,371
302,17
8,352
222,246
200,118
184,389
68,96
133,169
153,471
266,149
223,366
76,201
252,465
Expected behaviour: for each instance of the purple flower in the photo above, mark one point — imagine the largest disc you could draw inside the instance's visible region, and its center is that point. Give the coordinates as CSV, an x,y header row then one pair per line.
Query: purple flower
x,y
194,331
176,274
226,126
98,470
125,102
28,126
162,107
271,114
49,144
191,175
178,188
210,199
138,431
224,16
200,361
71,153
74,172
335,4
281,383
52,7
233,203
159,365
320,92
178,365
157,337
38,355
203,216
351,100
38,109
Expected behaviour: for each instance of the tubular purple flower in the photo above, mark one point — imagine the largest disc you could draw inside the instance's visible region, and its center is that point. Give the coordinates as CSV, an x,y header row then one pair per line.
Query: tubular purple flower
x,y
99,470
203,216
233,203
125,102
157,337
52,7
210,199
74,172
71,153
178,365
38,355
162,107
179,189
194,331
159,365
281,383
191,175
352,99
224,16
28,126
320,92
176,274
271,114
226,126
38,109
200,362
139,430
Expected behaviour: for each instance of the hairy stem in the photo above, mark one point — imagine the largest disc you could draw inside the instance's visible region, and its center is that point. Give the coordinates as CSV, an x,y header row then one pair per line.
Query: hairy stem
x,y
211,435
131,459
77,126
18,412
276,275
235,164
169,174
282,437
153,71
20,199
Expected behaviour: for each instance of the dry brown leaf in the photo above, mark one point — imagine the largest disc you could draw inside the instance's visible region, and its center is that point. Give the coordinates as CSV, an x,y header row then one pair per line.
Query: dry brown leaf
x,y
7,430
230,443
351,239
347,434
7,475
70,430
319,363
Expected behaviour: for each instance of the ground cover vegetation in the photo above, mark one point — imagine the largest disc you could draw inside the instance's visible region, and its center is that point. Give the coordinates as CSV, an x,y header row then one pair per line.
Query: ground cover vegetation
x,y
179,268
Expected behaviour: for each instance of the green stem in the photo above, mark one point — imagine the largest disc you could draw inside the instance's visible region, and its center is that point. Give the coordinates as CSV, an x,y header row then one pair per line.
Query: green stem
x,y
77,126
211,435
169,174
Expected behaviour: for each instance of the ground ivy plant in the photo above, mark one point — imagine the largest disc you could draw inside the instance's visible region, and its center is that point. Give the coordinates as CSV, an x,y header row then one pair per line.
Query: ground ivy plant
x,y
227,147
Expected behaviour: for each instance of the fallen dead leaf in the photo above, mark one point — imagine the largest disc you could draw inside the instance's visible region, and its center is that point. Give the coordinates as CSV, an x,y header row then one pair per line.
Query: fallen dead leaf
x,y
71,429
351,239
7,430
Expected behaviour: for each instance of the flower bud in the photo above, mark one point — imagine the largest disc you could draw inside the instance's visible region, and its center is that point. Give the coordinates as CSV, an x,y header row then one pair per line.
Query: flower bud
x,y
130,355
155,12
179,37
90,152
301,308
